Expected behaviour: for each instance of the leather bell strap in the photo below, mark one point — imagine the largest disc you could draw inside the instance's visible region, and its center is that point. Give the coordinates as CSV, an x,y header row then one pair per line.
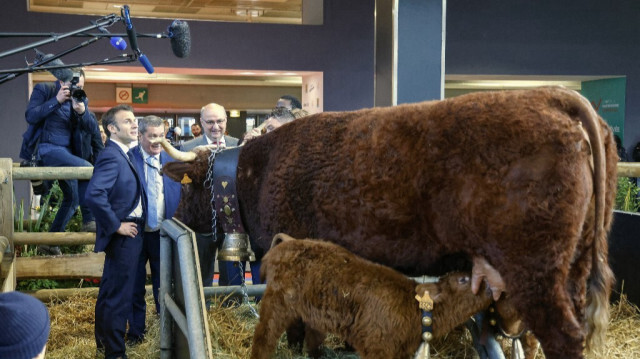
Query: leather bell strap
x,y
225,168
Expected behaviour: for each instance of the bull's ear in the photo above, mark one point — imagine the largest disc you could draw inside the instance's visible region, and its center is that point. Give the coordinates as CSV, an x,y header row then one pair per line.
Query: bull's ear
x,y
177,170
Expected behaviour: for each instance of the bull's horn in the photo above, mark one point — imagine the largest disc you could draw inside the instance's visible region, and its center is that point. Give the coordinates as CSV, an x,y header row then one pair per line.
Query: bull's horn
x,y
173,152
281,237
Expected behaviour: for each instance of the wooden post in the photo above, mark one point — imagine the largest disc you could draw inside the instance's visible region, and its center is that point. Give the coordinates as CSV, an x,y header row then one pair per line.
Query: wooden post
x,y
7,270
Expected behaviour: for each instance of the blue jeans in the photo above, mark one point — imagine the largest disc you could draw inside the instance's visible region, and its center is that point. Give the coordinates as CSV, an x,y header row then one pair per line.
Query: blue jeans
x,y
72,190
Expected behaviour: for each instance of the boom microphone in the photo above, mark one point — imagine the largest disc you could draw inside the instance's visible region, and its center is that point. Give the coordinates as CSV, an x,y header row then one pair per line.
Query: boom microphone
x,y
131,33
63,75
180,38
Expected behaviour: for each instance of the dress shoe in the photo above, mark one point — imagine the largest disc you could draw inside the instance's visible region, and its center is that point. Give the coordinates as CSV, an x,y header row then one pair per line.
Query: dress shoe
x,y
89,227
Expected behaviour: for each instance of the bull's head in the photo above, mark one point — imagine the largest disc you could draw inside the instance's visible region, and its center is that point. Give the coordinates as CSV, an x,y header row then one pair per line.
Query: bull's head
x,y
191,169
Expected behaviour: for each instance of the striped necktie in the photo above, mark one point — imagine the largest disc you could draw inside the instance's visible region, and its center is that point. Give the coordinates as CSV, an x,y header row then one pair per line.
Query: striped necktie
x,y
152,193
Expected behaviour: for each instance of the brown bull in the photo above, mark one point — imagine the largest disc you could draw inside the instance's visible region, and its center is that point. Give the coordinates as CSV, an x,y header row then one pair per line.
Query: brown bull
x,y
524,179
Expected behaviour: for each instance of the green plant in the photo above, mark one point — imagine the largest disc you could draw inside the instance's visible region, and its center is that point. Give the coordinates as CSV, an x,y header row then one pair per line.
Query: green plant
x,y
47,211
35,284
627,196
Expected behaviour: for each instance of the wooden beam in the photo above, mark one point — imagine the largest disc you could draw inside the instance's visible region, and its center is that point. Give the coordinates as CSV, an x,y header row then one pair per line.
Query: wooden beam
x,y
65,266
47,295
628,169
50,173
54,238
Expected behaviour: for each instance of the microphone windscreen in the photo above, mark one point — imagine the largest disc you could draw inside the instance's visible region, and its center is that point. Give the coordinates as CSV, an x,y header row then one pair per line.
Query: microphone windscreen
x,y
63,75
180,38
146,63
118,43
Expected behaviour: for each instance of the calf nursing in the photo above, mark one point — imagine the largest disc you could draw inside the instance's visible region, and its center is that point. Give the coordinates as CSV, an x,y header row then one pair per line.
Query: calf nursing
x,y
372,307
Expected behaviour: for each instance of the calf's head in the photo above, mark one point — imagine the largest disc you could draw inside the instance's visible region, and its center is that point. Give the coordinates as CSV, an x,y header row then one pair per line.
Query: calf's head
x,y
453,301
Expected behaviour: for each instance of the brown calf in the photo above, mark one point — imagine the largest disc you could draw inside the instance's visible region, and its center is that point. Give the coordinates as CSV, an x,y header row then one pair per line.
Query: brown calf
x,y
372,307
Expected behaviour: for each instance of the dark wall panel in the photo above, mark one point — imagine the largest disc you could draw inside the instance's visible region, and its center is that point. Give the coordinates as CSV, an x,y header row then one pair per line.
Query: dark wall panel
x,y
549,37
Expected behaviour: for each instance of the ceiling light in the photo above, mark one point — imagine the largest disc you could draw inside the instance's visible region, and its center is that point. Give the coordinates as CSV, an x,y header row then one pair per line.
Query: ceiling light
x,y
234,113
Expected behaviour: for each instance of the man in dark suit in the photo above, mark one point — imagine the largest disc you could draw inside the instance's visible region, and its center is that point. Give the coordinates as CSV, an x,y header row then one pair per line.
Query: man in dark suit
x,y
213,119
163,196
116,197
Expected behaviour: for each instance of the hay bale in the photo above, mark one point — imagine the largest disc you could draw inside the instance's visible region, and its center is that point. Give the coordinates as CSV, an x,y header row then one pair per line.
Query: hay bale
x,y
72,328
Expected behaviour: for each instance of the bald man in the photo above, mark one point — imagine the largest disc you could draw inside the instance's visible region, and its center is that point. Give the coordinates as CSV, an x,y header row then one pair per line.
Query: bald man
x,y
213,120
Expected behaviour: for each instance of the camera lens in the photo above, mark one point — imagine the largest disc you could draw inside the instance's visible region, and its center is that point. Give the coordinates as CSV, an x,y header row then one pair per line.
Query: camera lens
x,y
79,95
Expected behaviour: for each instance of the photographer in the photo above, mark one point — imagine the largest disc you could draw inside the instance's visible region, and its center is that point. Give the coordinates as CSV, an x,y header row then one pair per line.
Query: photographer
x,y
67,135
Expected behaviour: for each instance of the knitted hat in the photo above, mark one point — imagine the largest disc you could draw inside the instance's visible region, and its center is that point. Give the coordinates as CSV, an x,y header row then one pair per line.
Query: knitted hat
x,y
25,326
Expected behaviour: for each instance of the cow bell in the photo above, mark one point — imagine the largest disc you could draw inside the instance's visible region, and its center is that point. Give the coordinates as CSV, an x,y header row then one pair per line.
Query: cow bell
x,y
236,248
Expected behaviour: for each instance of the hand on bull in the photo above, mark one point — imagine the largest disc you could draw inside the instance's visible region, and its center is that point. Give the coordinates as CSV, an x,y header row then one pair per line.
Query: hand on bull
x,y
482,270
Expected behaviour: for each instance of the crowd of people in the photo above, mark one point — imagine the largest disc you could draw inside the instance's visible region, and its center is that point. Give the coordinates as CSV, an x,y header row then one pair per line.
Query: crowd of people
x,y
126,199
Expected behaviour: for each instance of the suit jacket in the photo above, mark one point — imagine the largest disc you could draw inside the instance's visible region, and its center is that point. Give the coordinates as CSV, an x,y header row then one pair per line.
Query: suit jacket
x,y
202,141
171,188
113,193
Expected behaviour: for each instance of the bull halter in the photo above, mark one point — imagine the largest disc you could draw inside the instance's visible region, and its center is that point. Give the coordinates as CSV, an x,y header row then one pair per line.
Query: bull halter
x,y
426,306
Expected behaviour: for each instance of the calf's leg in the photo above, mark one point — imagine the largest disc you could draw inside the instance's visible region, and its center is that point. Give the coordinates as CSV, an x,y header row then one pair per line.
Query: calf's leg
x,y
275,318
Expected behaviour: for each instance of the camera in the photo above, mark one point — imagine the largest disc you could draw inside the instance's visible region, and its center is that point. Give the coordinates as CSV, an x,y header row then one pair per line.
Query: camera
x,y
77,93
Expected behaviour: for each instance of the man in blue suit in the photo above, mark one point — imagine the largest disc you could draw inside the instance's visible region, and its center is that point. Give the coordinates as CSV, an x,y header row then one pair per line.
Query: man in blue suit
x,y
163,196
116,197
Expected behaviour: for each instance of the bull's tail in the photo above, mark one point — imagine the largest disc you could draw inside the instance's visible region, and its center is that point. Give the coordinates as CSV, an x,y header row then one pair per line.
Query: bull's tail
x,y
281,237
601,277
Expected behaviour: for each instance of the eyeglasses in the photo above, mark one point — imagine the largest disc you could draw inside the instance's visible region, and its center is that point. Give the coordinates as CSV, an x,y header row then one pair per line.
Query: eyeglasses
x,y
217,122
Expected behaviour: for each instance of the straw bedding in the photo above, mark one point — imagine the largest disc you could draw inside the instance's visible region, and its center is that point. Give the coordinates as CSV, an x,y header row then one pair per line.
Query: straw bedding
x,y
72,323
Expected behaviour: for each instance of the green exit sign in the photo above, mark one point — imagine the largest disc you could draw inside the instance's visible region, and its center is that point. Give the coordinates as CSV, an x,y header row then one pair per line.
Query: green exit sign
x,y
140,95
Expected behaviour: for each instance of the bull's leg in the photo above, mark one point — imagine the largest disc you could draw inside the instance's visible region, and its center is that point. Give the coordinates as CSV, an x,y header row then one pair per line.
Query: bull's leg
x,y
313,339
296,334
275,318
547,309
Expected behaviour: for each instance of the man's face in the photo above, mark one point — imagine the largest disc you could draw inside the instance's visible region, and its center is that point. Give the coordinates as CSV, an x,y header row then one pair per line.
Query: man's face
x,y
284,103
145,140
103,135
126,130
214,123
195,129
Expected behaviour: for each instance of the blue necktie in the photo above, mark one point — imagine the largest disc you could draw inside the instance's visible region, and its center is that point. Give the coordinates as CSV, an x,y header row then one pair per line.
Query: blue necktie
x,y
152,193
